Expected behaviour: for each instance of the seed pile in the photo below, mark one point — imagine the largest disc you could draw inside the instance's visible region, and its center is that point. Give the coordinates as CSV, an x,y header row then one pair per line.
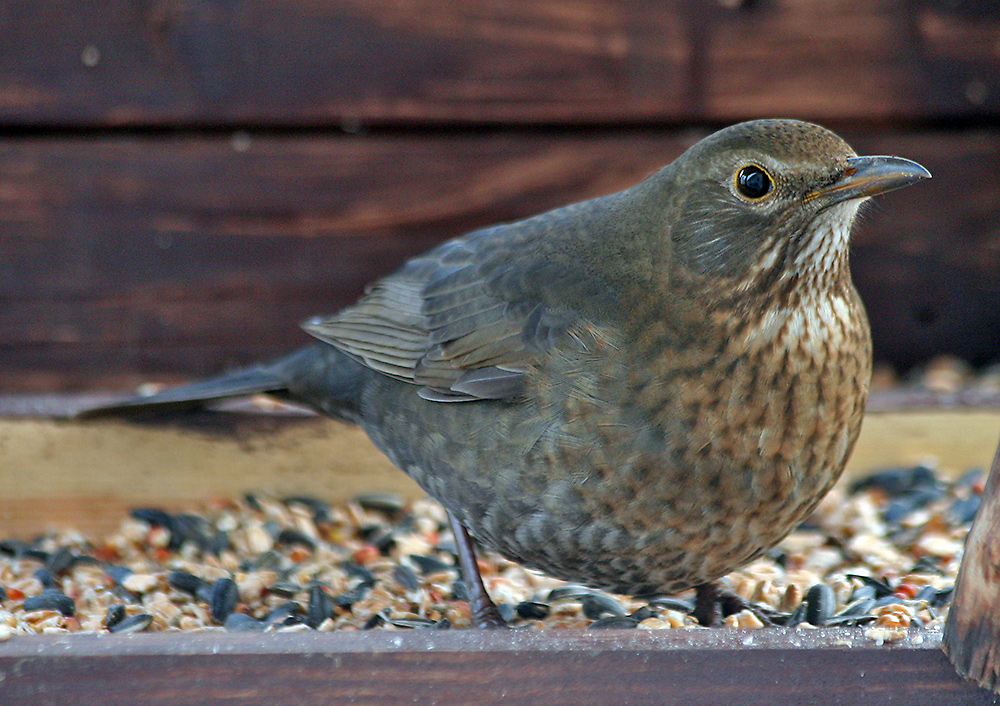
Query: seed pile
x,y
882,554
941,374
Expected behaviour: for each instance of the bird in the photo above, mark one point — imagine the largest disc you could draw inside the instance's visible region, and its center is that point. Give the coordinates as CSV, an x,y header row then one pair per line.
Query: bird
x,y
640,392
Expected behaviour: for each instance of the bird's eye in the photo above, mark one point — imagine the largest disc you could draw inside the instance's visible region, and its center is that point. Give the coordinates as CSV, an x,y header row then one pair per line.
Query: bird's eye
x,y
753,182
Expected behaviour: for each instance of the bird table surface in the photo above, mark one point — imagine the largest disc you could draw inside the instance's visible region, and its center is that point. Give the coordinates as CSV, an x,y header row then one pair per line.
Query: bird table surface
x,y
89,475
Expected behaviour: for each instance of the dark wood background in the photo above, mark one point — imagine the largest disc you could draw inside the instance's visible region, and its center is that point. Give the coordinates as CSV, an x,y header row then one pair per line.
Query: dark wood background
x,y
182,181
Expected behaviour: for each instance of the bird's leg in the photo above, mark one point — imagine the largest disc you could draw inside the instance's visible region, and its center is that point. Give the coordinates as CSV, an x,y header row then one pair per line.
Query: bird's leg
x,y
484,611
707,610
713,602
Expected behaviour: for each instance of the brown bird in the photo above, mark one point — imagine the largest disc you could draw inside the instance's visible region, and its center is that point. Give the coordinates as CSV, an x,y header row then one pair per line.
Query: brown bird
x,y
640,392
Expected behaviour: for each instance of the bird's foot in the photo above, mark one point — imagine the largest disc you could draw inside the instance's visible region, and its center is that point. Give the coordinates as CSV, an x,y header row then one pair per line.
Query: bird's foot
x,y
713,602
484,611
485,614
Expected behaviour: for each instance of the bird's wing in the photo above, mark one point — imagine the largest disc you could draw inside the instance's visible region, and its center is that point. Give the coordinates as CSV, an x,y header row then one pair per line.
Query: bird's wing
x,y
464,321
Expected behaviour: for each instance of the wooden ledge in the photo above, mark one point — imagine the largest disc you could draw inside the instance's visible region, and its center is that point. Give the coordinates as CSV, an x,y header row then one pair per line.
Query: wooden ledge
x,y
690,667
88,475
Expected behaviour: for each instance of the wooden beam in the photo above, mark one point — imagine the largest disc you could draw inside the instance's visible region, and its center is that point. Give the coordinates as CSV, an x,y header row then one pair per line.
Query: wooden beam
x,y
169,257
692,667
89,475
972,631
295,62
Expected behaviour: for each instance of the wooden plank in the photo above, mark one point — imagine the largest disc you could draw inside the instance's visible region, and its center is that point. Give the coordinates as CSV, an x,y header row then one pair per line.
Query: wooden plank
x,y
470,668
184,254
90,475
298,62
127,258
972,631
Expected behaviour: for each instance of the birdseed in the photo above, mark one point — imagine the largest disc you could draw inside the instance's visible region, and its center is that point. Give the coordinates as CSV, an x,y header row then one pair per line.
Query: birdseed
x,y
882,554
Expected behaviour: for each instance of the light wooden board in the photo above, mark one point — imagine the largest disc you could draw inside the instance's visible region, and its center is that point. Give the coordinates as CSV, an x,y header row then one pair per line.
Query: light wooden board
x,y
88,475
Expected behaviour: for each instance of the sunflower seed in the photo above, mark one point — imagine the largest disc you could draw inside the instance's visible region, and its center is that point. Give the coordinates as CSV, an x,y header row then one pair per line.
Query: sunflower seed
x,y
225,596
184,581
533,610
820,602
320,606
115,614
241,622
133,623
615,622
51,599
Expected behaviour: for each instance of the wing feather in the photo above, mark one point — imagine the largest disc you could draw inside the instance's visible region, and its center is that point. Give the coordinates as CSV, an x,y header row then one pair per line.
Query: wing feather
x,y
468,319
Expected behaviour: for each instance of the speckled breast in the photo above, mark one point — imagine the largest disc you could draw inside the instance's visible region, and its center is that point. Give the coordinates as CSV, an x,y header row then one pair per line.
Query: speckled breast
x,y
713,459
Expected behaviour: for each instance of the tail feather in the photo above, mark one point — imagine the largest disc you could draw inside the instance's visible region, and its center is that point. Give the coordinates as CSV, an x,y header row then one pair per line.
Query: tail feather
x,y
247,381
317,375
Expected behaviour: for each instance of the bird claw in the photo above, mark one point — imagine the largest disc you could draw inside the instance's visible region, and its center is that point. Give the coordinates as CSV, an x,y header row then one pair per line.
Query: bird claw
x,y
486,616
714,602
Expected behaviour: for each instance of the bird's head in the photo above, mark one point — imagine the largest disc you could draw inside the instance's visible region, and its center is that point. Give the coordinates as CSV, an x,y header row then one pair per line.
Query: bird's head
x,y
770,199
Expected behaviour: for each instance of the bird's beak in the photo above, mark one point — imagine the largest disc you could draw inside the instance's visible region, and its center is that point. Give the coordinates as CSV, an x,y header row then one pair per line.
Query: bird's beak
x,y
868,176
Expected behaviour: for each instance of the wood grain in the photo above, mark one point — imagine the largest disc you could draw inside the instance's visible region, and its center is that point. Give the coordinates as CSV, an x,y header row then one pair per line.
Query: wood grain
x,y
168,257
89,475
972,631
471,668
300,62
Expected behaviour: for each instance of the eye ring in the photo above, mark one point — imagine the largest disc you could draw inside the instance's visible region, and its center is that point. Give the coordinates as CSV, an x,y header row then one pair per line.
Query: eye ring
x,y
753,182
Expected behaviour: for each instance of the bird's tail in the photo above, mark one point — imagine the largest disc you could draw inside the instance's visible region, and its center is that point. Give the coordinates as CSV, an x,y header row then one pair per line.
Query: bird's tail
x,y
271,377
